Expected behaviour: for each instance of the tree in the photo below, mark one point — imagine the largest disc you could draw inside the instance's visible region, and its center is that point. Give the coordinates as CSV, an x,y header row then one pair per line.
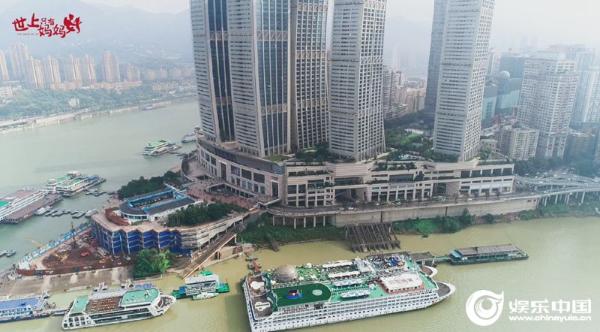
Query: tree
x,y
151,262
489,218
450,225
465,219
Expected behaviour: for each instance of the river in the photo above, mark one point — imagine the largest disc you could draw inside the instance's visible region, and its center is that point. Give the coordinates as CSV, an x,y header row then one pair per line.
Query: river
x,y
562,264
109,146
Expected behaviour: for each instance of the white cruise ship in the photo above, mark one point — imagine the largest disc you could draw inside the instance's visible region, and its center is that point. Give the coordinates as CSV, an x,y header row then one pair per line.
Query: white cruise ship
x,y
116,306
296,297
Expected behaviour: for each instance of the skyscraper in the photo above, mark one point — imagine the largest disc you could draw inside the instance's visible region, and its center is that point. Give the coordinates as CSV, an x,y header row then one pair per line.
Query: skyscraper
x,y
546,102
463,67
310,115
110,68
259,59
34,73
88,70
587,101
4,76
19,58
72,69
52,72
356,129
213,80
435,56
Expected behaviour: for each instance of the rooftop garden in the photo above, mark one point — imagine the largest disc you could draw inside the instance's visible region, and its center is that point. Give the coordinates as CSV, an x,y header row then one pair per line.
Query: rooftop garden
x,y
403,143
143,186
195,215
318,154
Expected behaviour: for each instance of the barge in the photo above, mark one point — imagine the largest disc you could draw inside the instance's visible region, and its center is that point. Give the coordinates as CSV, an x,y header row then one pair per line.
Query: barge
x,y
486,254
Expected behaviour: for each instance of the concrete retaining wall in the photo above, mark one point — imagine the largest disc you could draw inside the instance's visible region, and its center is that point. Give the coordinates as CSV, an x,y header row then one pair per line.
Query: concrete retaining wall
x,y
479,208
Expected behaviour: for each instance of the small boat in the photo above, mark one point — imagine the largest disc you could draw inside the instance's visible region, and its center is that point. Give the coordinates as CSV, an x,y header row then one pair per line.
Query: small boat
x,y
204,296
11,253
90,213
189,138
3,253
41,211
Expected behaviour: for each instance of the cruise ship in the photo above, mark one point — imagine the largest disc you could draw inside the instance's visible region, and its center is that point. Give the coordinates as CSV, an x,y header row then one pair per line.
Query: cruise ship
x,y
158,148
23,204
116,306
73,183
205,285
24,308
293,297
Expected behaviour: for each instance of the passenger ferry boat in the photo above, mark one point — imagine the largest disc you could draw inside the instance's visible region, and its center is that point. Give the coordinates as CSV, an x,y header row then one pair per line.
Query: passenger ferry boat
x,y
295,297
204,286
73,183
25,308
116,306
158,148
23,204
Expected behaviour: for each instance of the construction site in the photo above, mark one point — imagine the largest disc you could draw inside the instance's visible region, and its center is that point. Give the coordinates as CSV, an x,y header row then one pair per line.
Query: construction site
x,y
81,253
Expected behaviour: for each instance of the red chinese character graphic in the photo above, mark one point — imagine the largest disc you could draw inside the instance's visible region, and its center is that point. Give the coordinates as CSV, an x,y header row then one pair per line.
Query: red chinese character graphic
x,y
19,24
34,22
47,27
72,23
59,30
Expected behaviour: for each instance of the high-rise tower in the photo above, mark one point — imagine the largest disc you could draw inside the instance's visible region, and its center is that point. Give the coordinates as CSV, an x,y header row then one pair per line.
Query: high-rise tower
x,y
546,102
211,57
310,115
259,59
356,129
463,67
435,54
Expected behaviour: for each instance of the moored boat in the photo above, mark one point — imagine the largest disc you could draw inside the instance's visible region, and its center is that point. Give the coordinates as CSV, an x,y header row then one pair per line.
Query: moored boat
x,y
114,306
293,297
205,285
24,308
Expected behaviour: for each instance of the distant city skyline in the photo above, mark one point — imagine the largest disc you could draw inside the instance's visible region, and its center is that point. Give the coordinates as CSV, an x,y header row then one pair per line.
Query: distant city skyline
x,y
511,16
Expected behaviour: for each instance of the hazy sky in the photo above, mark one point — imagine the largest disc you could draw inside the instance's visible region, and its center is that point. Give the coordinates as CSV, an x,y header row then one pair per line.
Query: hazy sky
x,y
548,21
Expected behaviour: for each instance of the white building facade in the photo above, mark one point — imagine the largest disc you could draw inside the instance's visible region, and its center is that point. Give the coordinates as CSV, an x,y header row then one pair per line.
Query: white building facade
x,y
463,68
356,130
310,109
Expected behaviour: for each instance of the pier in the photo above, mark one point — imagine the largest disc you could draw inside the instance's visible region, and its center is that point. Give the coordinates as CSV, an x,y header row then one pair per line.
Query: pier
x,y
368,237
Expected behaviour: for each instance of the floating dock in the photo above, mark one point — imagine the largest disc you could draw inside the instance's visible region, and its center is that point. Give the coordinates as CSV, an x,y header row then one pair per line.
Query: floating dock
x,y
368,237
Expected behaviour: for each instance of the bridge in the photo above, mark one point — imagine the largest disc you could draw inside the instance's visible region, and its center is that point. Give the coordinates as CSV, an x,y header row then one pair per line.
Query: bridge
x,y
560,189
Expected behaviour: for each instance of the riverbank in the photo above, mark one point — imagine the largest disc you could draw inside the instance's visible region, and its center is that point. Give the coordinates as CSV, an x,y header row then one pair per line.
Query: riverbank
x,y
550,243
10,126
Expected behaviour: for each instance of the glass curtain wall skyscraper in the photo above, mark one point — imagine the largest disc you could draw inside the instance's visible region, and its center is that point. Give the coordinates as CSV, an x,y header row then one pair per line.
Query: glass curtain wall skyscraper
x,y
259,59
211,57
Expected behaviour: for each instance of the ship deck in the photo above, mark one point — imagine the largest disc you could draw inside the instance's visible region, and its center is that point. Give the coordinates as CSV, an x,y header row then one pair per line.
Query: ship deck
x,y
316,284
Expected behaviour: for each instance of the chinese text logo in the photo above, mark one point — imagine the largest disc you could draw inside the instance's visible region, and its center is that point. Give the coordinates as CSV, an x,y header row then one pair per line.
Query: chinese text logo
x,y
47,26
